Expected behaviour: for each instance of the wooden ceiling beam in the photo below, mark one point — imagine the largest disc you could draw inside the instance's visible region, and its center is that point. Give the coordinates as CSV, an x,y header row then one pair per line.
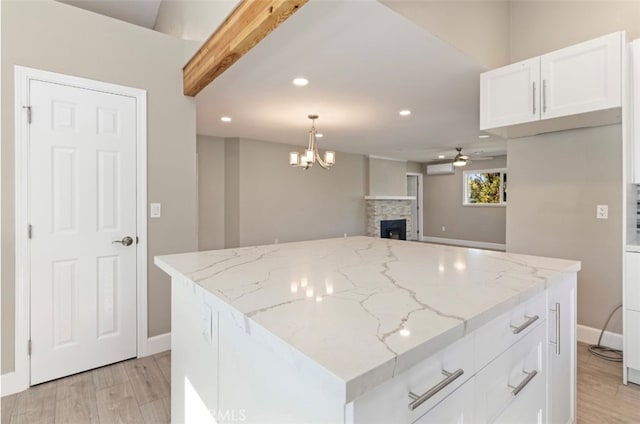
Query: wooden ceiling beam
x,y
248,24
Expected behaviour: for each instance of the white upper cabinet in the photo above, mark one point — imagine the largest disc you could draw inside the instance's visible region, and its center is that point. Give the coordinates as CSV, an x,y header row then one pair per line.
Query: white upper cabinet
x,y
509,95
581,84
582,78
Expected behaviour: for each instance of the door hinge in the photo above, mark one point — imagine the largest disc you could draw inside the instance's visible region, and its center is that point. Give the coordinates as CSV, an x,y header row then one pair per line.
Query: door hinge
x,y
29,231
29,347
28,113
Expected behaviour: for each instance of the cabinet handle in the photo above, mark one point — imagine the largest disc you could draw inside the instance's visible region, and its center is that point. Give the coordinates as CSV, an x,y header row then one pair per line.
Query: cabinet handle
x,y
527,323
557,342
517,389
544,96
533,88
420,399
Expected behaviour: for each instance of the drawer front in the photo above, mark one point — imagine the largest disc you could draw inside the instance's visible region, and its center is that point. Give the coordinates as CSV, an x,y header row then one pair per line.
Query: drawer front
x,y
632,334
457,408
389,402
517,377
498,335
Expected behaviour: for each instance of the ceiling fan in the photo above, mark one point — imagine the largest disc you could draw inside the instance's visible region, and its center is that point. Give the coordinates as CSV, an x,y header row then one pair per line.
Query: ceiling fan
x,y
460,159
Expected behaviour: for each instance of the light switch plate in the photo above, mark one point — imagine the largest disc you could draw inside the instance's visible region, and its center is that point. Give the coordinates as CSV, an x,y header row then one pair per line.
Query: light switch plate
x,y
156,210
602,211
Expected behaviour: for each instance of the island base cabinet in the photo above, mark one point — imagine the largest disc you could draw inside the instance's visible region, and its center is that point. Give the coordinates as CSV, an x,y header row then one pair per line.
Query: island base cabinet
x,y
561,385
261,381
194,355
512,388
457,408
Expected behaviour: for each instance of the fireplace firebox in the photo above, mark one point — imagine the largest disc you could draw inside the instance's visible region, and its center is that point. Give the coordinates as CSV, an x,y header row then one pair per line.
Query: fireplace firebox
x,y
393,229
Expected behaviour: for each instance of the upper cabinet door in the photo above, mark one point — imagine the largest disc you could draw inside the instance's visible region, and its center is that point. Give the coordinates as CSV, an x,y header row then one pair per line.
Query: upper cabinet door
x,y
510,95
582,78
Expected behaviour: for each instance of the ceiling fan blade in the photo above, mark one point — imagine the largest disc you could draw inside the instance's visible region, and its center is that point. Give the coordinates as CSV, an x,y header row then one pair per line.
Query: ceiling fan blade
x,y
483,158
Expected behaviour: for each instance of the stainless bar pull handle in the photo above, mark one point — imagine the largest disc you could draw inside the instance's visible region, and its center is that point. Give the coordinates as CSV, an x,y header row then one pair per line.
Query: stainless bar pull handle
x,y
530,320
517,389
420,399
557,342
534,97
544,96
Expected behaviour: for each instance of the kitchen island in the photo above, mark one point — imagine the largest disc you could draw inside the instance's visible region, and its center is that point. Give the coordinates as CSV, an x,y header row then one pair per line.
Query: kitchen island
x,y
367,330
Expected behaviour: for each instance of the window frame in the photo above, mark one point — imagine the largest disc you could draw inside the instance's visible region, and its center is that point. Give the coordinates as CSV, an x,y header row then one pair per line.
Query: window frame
x,y
465,187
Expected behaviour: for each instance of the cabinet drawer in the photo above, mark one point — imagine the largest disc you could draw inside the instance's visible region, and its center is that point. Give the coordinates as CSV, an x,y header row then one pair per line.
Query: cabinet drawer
x,y
457,408
498,335
515,379
632,280
632,334
389,402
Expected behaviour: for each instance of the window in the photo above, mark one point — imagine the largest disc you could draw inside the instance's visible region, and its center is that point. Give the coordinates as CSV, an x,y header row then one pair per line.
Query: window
x,y
487,187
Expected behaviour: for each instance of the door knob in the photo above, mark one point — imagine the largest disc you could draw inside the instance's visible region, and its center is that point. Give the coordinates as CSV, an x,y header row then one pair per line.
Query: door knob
x,y
126,241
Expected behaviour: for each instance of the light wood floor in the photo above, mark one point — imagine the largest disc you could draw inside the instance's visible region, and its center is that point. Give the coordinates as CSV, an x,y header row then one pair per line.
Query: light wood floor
x,y
134,391
137,391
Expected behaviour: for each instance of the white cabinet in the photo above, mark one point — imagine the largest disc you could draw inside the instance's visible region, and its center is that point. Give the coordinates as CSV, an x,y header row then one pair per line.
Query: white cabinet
x,y
634,143
457,408
632,281
562,352
514,381
582,78
631,310
579,80
509,95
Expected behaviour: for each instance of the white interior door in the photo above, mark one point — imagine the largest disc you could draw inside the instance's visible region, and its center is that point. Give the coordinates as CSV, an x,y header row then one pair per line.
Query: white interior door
x,y
82,199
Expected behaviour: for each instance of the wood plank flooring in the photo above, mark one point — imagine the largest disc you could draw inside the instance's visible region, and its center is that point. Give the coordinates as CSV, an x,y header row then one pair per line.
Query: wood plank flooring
x,y
132,392
137,391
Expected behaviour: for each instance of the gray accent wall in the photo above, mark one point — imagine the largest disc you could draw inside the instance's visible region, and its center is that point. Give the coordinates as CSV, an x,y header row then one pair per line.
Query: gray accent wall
x,y
60,38
387,177
211,194
264,200
555,182
443,208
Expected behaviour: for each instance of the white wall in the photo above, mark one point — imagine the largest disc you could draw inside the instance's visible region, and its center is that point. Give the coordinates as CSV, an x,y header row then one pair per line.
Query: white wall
x,y
60,38
264,199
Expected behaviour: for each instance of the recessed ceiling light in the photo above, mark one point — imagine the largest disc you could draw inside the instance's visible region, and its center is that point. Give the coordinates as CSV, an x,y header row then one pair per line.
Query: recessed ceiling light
x,y
319,135
300,82
483,136
405,112
225,119
405,332
440,156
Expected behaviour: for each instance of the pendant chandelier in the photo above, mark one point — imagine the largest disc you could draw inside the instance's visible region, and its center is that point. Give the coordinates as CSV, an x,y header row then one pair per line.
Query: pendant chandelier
x,y
311,155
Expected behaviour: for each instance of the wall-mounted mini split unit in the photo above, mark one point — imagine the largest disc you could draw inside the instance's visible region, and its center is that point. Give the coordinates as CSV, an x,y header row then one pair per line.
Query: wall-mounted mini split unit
x,y
441,169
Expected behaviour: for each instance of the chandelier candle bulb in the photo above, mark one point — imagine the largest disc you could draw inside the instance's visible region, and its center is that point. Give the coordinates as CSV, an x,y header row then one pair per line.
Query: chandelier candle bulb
x,y
330,157
294,158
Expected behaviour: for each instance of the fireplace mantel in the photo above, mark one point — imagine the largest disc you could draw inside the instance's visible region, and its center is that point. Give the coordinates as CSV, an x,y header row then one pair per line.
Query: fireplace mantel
x,y
390,197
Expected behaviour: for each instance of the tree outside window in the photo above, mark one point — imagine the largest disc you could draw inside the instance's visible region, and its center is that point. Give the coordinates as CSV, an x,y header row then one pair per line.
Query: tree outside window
x,y
485,187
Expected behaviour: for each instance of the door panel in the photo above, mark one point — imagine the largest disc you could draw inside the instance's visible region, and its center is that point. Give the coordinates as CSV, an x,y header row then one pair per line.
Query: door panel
x,y
82,198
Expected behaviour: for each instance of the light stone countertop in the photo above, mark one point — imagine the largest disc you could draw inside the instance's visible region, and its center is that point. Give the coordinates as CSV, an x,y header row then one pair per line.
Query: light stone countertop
x,y
360,310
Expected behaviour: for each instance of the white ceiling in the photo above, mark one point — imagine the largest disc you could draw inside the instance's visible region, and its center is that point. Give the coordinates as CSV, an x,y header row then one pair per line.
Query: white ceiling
x,y
138,12
365,63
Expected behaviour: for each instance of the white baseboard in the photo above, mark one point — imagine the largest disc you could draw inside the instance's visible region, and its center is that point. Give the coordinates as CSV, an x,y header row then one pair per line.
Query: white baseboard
x,y
589,335
10,384
157,344
465,243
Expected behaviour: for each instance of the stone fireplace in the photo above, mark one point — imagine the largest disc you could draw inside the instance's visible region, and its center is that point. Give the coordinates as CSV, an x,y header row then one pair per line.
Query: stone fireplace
x,y
381,208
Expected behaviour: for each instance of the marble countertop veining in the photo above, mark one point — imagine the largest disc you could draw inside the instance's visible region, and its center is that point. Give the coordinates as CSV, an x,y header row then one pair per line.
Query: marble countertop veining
x,y
365,309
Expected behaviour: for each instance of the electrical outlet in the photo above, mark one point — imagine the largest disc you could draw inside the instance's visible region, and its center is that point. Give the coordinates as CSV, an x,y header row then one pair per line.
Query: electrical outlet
x,y
444,228
602,211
